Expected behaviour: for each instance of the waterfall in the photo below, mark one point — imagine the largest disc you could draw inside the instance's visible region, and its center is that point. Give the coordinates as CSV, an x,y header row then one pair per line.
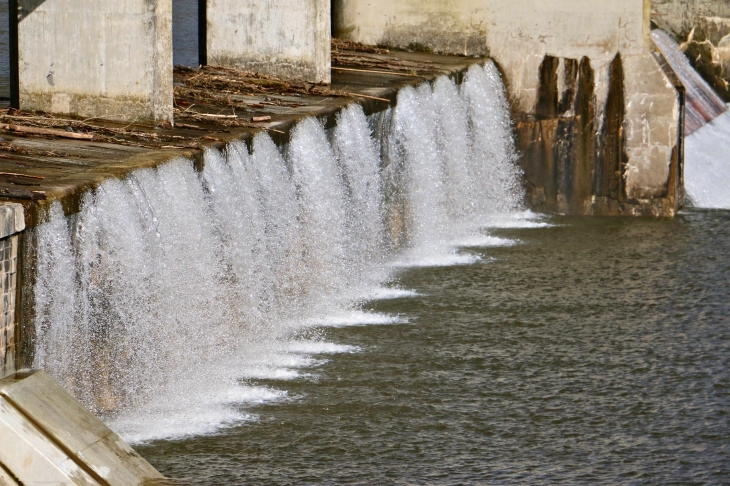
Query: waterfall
x,y
159,302
707,131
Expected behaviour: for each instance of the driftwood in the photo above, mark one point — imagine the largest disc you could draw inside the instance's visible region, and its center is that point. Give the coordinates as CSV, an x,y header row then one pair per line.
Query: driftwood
x,y
46,131
14,193
15,174
358,95
389,73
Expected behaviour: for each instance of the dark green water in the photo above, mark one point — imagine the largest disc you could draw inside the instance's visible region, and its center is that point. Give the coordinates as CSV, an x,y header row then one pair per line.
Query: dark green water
x,y
596,351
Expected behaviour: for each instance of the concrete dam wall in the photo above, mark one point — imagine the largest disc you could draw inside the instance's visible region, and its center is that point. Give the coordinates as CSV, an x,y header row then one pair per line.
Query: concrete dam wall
x,y
598,120
289,170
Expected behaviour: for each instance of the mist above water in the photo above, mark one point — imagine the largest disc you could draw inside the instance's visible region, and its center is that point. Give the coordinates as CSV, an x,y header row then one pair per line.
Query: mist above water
x,y
171,289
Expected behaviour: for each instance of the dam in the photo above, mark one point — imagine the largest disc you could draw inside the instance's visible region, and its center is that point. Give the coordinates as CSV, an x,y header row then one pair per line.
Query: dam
x,y
375,264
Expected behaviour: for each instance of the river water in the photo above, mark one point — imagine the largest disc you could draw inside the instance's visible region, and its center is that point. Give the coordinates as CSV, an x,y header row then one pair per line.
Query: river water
x,y
594,350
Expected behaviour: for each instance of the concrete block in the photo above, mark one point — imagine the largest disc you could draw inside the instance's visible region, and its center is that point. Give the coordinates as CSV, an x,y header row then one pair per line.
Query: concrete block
x,y
12,219
112,60
63,438
286,38
454,27
652,127
28,454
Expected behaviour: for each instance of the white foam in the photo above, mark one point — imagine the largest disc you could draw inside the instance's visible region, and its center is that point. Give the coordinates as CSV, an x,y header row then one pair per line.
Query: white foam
x,y
355,318
321,347
387,293
484,241
165,419
516,220
411,259
264,373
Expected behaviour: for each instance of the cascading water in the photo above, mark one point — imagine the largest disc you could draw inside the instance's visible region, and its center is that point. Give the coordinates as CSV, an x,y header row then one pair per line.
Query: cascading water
x,y
707,130
170,289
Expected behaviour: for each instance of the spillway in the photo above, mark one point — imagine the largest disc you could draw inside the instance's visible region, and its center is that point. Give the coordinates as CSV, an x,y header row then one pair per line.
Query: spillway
x,y
707,131
161,302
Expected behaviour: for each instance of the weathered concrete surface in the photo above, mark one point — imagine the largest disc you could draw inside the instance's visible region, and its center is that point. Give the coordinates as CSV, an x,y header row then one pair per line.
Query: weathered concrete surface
x,y
12,222
49,438
625,161
111,60
453,27
290,39
628,149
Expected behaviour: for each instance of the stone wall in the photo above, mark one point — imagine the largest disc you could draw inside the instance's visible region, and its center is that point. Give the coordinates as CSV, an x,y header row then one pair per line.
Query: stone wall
x,y
597,119
110,59
11,224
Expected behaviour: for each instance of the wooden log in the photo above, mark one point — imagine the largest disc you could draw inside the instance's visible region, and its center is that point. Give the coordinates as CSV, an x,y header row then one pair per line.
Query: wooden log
x,y
390,73
357,95
15,174
13,193
46,131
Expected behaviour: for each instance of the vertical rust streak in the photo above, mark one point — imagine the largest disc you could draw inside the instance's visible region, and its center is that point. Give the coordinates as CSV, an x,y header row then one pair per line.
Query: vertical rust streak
x,y
585,146
611,162
547,95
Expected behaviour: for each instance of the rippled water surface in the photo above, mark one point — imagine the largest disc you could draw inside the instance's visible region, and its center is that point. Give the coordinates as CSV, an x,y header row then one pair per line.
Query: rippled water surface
x,y
594,351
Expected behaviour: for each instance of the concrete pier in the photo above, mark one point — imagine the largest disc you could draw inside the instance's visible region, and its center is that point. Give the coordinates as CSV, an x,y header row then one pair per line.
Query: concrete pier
x,y
112,59
289,39
587,92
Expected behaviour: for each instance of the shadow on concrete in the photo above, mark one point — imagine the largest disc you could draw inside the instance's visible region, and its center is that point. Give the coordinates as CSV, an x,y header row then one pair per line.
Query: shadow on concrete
x,y
26,7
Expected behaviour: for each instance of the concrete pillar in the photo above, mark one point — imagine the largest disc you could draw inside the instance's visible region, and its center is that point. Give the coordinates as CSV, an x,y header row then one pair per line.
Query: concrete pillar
x,y
109,58
545,51
453,27
285,38
12,222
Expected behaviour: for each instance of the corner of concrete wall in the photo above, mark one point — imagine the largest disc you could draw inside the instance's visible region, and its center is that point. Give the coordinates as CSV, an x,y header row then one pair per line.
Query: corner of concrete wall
x,y
111,61
624,160
652,127
278,37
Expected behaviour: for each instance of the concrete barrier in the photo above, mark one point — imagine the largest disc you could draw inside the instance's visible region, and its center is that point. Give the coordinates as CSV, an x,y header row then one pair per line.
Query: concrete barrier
x,y
286,38
49,438
110,59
